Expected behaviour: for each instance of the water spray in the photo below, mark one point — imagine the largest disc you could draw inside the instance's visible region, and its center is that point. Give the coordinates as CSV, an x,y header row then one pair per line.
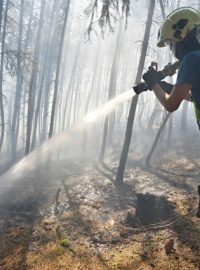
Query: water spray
x,y
30,162
41,153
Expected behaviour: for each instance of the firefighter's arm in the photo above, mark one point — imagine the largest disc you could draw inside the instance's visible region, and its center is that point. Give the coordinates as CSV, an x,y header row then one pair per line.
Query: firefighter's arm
x,y
172,101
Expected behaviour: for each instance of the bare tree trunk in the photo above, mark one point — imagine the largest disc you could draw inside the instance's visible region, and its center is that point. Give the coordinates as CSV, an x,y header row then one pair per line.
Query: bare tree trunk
x,y
90,91
47,91
167,115
178,3
147,162
184,115
111,93
112,115
33,80
18,93
156,110
156,104
169,135
76,93
71,81
1,13
1,75
58,70
45,66
162,8
128,134
28,32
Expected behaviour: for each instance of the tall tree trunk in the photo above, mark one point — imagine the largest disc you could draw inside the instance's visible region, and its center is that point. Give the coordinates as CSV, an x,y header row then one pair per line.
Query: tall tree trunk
x,y
184,115
1,75
147,162
169,135
33,80
90,91
111,93
157,108
1,13
157,104
28,32
44,69
47,92
128,134
76,94
162,8
178,3
55,94
71,81
18,93
8,131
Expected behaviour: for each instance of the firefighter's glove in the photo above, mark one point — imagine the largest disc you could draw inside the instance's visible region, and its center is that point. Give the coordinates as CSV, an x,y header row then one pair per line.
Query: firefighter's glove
x,y
151,77
166,87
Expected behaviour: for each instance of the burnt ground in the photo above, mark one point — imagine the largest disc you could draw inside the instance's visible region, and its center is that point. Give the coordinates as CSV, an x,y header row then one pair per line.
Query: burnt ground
x,y
80,219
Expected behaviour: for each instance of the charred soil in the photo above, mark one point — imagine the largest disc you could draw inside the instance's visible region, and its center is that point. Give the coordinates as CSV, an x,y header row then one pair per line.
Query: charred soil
x,y
83,220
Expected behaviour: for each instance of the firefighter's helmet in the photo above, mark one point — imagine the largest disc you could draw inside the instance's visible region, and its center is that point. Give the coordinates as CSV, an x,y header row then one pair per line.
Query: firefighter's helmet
x,y
177,25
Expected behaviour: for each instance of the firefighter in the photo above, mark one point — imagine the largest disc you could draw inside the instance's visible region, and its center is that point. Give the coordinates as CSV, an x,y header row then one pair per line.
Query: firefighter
x,y
181,32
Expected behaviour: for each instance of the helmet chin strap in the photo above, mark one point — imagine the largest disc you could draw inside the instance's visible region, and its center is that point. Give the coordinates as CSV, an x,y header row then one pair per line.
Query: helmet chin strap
x,y
173,48
188,44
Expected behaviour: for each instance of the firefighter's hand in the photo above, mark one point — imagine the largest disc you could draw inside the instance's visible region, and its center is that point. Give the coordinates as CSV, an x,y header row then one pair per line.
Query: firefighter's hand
x,y
151,77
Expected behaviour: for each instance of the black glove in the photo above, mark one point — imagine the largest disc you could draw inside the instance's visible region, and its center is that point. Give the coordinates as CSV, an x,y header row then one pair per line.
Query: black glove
x,y
166,87
151,77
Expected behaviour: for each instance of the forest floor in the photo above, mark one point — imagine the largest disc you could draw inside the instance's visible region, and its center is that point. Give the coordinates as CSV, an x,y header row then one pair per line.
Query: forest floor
x,y
83,220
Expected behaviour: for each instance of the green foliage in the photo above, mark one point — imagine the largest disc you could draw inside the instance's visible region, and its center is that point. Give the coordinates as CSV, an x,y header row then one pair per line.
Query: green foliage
x,y
59,251
58,232
64,243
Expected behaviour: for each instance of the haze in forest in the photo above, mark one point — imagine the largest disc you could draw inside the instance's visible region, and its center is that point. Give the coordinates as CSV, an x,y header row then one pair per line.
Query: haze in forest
x,y
93,176
53,74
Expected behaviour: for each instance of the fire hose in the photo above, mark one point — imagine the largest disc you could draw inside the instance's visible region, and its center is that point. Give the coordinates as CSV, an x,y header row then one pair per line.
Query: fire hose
x,y
168,70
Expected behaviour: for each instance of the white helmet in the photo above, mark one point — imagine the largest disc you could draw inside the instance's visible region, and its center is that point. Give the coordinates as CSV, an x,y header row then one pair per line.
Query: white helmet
x,y
177,25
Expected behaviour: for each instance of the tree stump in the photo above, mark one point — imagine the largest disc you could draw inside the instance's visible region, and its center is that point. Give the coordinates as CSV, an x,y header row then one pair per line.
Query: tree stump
x,y
151,208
